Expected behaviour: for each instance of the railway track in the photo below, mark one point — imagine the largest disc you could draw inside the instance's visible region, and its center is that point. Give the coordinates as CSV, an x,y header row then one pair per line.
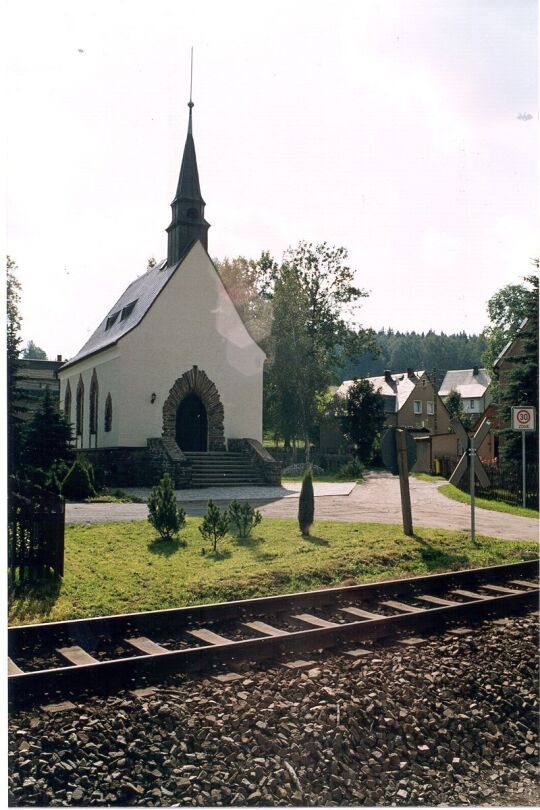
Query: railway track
x,y
61,659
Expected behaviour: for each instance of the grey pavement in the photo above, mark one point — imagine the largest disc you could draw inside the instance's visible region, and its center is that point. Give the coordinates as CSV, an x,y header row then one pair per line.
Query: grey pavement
x,y
289,490
375,501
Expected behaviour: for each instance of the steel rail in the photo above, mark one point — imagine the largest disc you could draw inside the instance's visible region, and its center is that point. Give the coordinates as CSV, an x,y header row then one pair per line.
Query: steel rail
x,y
104,675
115,625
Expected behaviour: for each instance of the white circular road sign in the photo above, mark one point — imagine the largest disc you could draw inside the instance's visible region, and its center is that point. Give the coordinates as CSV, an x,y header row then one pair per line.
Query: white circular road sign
x,y
523,418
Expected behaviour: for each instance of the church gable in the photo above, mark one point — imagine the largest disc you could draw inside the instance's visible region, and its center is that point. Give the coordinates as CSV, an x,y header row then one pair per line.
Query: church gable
x,y
195,310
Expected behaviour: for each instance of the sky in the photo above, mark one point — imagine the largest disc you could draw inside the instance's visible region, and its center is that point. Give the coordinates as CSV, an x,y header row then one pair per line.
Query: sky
x,y
404,130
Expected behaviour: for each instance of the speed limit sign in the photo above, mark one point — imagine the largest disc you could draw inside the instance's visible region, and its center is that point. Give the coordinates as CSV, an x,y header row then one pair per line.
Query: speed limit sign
x,y
523,417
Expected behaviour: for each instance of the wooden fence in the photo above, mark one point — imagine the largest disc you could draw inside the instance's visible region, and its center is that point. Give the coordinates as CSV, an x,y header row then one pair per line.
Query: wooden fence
x,y
36,525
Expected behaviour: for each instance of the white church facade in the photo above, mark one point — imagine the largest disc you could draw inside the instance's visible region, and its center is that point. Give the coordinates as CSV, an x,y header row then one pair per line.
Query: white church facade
x,y
171,379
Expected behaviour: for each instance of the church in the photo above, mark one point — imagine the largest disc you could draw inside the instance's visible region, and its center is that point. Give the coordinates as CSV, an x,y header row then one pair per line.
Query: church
x,y
171,380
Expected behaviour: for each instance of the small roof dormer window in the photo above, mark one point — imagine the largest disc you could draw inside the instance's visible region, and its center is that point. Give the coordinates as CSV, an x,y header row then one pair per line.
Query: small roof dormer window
x,y
127,310
111,320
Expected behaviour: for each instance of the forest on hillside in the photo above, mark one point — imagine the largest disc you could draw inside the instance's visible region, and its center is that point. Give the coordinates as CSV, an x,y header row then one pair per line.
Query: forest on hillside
x,y
426,351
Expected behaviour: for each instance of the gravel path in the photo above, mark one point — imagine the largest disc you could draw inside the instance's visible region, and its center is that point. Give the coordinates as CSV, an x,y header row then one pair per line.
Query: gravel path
x,y
375,501
452,721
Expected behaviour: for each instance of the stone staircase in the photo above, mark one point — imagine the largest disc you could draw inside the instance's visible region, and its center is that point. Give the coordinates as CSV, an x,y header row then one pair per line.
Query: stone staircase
x,y
223,470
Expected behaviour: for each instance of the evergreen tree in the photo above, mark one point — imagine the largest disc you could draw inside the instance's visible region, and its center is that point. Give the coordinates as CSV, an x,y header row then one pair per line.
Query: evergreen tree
x,y
244,518
521,384
306,503
48,437
163,512
13,341
362,418
215,524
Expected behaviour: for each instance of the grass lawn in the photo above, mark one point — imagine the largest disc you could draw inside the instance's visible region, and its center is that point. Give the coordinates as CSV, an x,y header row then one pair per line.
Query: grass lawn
x,y
124,567
421,476
456,494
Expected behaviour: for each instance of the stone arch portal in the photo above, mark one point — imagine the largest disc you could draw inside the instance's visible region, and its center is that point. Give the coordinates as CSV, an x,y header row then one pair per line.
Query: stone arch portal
x,y
195,382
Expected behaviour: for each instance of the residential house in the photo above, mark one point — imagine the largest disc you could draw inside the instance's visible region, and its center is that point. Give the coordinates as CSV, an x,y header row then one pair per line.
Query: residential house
x,y
34,378
472,384
410,401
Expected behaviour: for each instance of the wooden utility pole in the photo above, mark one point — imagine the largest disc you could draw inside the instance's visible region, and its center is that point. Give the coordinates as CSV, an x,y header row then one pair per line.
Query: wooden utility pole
x,y
403,466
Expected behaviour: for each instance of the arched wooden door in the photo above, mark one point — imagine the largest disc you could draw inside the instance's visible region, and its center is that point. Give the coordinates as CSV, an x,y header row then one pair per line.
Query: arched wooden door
x,y
192,425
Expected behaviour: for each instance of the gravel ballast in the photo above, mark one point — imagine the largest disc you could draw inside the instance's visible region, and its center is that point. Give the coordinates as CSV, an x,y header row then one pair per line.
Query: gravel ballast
x,y
451,721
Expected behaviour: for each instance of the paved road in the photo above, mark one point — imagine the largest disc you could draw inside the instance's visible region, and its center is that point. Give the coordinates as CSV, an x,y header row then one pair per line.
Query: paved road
x,y
375,501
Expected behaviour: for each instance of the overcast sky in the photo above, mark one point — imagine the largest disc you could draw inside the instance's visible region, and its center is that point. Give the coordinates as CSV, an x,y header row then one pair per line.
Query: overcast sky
x,y
405,130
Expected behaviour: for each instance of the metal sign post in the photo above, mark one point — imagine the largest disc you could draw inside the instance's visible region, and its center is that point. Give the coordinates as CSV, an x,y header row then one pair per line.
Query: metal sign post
x,y
470,459
524,419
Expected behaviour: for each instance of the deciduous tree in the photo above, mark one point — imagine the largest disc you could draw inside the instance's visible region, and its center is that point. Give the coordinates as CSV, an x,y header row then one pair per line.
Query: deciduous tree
x,y
362,418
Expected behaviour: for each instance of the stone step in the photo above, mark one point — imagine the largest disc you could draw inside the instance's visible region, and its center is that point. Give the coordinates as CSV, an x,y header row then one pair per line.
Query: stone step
x,y
190,454
248,475
221,468
227,484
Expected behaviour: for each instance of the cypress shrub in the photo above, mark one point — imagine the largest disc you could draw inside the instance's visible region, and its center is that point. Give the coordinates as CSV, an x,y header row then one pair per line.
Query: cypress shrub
x,y
163,512
306,504
77,486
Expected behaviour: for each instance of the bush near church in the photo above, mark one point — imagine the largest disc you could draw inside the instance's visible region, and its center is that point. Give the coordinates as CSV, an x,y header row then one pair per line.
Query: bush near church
x,y
306,505
163,512
243,518
77,485
215,525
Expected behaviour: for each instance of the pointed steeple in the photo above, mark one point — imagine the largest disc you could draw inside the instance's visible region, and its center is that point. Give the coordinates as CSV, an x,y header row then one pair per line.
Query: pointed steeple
x,y
188,222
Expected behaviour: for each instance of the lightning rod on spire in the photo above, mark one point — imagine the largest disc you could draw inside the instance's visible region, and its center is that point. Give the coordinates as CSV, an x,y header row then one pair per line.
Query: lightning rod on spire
x,y
191,80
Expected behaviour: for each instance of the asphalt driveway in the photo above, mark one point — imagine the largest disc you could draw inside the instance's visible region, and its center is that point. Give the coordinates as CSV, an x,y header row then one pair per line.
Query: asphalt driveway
x,y
375,501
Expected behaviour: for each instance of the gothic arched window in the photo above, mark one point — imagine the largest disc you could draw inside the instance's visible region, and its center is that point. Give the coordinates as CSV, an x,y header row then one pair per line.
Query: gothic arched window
x,y
79,415
67,402
93,404
108,414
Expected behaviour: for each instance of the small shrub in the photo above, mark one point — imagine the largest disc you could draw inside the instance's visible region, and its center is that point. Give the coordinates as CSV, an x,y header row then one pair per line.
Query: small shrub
x,y
77,486
299,469
89,469
163,511
244,518
215,524
306,505
351,470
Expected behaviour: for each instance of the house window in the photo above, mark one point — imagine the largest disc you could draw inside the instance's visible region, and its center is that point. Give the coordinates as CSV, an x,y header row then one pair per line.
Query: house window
x,y
417,407
93,404
79,408
472,404
430,409
67,402
108,414
126,312
424,382
112,319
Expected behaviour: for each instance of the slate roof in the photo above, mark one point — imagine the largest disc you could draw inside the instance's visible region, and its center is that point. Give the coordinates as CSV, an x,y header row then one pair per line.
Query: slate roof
x,y
143,291
188,182
395,394
465,382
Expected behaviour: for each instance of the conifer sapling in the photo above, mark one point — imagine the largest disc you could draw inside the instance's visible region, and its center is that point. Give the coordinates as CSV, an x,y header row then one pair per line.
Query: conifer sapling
x,y
163,512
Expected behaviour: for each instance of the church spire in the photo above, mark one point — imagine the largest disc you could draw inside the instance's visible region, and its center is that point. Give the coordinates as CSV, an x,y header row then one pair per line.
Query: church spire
x,y
188,222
